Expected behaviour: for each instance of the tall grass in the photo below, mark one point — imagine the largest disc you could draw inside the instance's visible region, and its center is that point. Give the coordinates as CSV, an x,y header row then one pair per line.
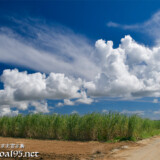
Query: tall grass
x,y
95,126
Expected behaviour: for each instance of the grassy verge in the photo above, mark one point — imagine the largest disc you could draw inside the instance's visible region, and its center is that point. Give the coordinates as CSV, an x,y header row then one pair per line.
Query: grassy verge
x,y
95,126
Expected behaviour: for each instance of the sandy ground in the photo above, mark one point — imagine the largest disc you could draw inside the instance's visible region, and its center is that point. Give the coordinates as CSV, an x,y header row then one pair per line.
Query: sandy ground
x,y
148,149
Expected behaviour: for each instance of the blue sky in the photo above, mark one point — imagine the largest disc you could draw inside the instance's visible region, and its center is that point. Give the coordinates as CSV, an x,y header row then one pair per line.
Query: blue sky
x,y
80,56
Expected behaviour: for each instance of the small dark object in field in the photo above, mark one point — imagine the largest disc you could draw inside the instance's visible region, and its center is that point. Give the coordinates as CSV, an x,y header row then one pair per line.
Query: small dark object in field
x,y
98,152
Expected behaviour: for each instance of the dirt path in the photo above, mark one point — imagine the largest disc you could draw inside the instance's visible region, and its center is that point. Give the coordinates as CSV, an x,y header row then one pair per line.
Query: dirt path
x,y
148,149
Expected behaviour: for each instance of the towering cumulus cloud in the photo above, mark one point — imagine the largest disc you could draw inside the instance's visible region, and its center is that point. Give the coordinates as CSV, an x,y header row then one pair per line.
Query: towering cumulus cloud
x,y
130,71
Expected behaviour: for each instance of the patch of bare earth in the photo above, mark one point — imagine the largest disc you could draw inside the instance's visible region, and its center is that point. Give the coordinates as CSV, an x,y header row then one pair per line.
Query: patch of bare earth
x,y
68,150
147,149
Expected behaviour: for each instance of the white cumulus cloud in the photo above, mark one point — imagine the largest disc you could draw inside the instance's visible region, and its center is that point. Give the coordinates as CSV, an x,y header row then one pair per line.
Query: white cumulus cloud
x,y
67,102
130,71
22,89
72,70
155,101
84,99
8,112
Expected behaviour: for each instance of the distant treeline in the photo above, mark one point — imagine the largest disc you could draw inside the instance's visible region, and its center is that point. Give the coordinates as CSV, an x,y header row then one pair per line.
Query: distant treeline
x,y
95,126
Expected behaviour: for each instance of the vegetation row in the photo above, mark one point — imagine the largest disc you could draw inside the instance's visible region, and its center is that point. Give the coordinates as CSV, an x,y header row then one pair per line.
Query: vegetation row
x,y
95,126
